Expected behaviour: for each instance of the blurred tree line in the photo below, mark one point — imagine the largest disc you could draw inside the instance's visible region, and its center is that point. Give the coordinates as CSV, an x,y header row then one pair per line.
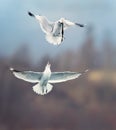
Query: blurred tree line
x,y
87,103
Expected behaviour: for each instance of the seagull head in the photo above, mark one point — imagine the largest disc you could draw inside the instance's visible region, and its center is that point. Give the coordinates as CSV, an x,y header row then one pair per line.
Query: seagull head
x,y
48,65
47,68
61,20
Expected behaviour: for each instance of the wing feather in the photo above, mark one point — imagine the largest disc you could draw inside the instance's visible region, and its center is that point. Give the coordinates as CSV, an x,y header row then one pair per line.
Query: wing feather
x,y
67,24
57,77
28,76
45,25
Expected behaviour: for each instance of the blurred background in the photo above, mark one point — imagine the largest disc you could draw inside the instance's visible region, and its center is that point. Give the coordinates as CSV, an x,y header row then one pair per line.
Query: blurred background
x,y
87,103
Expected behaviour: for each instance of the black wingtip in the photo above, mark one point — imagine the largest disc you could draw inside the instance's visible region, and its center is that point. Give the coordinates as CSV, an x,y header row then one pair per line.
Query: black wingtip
x,y
13,70
80,25
84,72
30,14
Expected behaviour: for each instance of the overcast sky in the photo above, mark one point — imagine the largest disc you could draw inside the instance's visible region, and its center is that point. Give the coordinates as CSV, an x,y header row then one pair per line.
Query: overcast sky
x,y
17,28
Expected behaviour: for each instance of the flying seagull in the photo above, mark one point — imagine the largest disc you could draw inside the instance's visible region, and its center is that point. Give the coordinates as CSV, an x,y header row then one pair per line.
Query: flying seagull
x,y
45,78
54,30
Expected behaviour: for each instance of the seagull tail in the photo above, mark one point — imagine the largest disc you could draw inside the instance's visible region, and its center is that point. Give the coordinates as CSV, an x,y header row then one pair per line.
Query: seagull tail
x,y
42,90
54,40
31,14
49,87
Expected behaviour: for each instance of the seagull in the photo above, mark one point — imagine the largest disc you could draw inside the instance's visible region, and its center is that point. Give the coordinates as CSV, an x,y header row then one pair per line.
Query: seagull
x,y
54,31
44,79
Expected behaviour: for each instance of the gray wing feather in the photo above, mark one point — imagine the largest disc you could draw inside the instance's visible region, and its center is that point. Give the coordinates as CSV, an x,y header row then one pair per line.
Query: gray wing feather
x,y
67,24
28,76
57,77
46,25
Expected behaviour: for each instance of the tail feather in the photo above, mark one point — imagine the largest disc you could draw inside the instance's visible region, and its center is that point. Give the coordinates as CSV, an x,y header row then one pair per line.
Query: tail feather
x,y
54,40
42,91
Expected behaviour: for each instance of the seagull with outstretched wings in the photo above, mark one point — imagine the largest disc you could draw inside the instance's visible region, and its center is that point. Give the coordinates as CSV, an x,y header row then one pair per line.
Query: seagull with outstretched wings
x,y
45,78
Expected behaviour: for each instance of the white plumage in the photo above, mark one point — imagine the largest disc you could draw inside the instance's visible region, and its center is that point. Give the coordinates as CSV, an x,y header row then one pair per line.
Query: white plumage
x,y
43,79
54,30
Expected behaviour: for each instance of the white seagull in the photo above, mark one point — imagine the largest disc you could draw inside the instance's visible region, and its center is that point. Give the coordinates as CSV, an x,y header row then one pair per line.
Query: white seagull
x,y
54,30
43,79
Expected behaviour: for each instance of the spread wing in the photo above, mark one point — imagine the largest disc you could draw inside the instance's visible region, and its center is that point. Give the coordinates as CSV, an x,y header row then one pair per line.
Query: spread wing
x,y
28,76
68,23
57,77
46,25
